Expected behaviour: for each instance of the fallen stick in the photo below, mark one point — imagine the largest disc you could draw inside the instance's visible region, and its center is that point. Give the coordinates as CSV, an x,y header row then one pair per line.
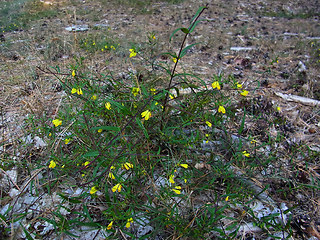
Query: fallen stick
x,y
295,98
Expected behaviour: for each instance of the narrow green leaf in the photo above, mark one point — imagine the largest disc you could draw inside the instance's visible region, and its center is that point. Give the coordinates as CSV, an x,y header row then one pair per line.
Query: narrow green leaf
x,y
28,236
233,226
185,30
91,154
49,221
242,122
86,212
184,51
71,234
194,25
142,127
174,32
197,13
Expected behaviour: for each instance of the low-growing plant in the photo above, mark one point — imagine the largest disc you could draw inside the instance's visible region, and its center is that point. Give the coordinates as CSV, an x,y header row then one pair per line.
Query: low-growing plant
x,y
170,151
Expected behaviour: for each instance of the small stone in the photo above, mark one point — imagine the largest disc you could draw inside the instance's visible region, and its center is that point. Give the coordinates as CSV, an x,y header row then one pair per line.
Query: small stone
x,y
13,192
301,67
237,49
8,178
77,28
39,142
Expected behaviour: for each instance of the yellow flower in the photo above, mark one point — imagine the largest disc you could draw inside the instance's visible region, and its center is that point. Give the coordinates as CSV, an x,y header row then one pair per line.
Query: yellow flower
x,y
108,106
86,163
171,178
99,130
244,93
67,140
185,180
253,141
135,91
146,114
112,47
175,59
172,96
184,165
227,198
102,49
73,73
278,109
246,154
111,175
110,225
94,97
153,90
209,124
221,109
76,90
129,221
57,122
239,86
52,164
132,52
93,190
127,165
117,187
176,189
216,85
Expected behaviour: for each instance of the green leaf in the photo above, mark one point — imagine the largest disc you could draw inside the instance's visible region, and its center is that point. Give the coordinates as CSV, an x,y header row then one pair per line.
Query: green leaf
x,y
49,221
142,127
174,32
185,30
121,107
233,226
86,212
91,154
28,236
197,13
71,234
194,25
184,51
70,199
242,122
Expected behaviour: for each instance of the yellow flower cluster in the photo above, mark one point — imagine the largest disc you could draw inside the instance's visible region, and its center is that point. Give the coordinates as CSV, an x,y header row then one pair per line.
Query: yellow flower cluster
x,y
246,154
52,164
146,114
93,190
133,53
221,109
216,85
135,91
57,122
108,106
77,90
117,188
